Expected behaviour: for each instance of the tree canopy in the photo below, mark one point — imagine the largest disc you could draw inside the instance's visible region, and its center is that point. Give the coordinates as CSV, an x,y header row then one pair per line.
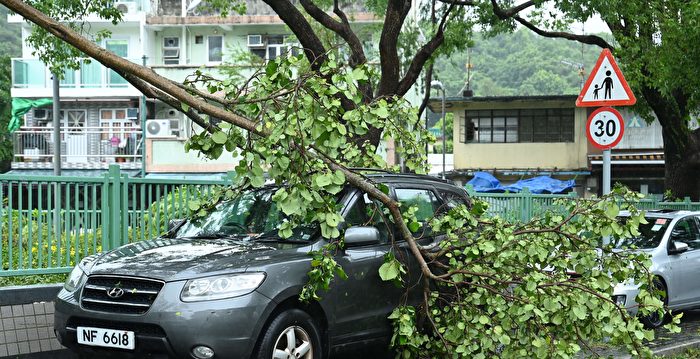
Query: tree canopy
x,y
490,287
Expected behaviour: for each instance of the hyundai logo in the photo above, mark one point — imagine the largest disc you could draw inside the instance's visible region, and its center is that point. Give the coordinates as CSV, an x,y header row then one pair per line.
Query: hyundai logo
x,y
115,293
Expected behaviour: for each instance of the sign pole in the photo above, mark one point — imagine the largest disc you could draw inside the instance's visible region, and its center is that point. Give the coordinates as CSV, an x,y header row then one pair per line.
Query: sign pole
x,y
606,171
606,86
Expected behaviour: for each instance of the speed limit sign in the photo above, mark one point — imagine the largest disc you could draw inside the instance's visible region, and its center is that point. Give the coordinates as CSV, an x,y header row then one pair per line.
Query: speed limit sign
x,y
605,128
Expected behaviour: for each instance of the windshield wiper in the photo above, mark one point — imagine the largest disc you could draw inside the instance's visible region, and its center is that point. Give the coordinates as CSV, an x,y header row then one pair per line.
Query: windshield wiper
x,y
272,236
214,235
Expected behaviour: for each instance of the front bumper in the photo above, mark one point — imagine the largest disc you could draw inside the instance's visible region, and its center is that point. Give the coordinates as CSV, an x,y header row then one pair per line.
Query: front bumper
x,y
626,295
170,328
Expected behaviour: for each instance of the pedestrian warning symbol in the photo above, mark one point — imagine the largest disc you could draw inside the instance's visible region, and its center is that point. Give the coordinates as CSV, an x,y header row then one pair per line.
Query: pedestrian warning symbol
x,y
606,86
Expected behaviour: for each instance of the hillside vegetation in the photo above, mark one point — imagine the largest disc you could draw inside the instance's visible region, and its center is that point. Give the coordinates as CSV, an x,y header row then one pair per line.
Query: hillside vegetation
x,y
518,64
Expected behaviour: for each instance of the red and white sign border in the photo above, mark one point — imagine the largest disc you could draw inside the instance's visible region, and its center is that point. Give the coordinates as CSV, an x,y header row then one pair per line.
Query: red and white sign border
x,y
588,128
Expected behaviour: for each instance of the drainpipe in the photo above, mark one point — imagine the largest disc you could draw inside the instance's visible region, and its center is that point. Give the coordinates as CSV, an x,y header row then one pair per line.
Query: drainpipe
x,y
142,115
56,155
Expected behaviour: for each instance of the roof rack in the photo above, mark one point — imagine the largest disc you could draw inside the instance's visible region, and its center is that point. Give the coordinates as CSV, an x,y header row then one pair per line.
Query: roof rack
x,y
664,210
369,169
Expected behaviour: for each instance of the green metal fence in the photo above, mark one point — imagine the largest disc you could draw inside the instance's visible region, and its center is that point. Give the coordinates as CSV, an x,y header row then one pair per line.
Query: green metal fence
x,y
525,205
48,223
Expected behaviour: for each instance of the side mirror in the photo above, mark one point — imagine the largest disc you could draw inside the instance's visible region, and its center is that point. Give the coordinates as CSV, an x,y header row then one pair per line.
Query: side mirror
x,y
175,223
359,236
678,248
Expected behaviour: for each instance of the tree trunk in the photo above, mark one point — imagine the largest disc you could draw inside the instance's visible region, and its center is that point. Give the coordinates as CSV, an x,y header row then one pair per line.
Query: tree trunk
x,y
682,170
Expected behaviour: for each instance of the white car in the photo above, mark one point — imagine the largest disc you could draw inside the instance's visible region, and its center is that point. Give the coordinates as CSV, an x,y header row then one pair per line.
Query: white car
x,y
672,238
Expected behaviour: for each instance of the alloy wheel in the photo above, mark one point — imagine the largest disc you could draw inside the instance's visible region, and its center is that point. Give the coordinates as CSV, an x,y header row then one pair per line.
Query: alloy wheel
x,y
293,343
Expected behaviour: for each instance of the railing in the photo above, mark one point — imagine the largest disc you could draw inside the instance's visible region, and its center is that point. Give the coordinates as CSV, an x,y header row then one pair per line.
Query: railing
x,y
519,206
33,73
525,205
48,223
78,144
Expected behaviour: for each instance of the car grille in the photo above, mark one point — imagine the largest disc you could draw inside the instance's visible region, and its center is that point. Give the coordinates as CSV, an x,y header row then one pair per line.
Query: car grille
x,y
137,294
140,329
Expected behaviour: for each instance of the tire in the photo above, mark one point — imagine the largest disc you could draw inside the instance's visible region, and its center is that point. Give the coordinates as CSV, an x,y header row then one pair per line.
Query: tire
x,y
655,320
292,323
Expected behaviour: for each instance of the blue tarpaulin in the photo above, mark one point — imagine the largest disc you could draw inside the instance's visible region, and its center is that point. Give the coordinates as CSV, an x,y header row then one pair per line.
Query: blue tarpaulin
x,y
485,182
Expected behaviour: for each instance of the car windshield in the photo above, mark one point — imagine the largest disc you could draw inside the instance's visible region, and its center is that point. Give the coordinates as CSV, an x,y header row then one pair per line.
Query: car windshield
x,y
252,214
650,234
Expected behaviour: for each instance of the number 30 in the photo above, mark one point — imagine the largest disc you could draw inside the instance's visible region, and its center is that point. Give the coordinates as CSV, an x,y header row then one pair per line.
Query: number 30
x,y
608,128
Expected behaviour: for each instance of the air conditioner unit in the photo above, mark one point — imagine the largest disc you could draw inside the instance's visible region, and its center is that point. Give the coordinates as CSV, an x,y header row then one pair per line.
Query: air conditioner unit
x,y
126,7
41,114
158,128
171,50
132,113
255,41
171,42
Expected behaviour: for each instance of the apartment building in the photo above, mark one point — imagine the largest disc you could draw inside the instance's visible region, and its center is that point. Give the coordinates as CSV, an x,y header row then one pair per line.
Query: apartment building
x,y
101,118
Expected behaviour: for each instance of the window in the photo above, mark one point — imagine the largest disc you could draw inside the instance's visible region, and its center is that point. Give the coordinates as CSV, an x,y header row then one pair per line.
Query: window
x,y
510,126
215,46
426,202
274,47
365,212
171,50
686,231
198,39
119,48
115,126
452,200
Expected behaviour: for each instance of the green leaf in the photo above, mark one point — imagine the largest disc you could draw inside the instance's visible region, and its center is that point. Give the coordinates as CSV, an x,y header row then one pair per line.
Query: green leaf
x,y
219,137
414,226
389,270
185,107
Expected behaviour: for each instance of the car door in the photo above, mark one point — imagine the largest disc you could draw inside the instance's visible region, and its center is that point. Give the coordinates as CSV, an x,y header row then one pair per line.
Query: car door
x,y
428,204
363,302
684,288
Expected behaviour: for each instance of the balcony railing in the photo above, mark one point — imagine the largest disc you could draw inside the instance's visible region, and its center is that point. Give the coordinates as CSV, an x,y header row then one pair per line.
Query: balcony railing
x,y
33,73
81,147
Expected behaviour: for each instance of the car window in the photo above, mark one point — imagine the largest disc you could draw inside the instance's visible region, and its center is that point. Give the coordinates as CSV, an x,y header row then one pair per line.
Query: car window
x,y
686,231
365,212
426,202
452,200
424,199
650,233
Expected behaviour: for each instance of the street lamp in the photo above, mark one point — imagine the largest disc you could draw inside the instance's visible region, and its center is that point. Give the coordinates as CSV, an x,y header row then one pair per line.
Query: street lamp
x,y
438,86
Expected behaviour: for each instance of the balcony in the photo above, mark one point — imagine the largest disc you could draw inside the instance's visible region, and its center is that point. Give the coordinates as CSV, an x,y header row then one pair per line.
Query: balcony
x,y
32,78
81,147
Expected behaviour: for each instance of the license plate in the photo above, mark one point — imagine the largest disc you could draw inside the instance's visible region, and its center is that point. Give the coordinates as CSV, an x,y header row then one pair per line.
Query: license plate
x,y
122,339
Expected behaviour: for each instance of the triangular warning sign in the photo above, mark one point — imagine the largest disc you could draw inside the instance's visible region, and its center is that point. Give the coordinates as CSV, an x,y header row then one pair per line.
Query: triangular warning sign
x,y
606,86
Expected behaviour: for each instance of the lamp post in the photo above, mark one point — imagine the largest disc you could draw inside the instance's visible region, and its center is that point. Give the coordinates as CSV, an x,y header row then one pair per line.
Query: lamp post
x,y
438,86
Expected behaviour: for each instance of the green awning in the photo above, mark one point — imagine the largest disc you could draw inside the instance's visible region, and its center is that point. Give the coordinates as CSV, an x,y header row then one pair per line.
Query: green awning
x,y
20,106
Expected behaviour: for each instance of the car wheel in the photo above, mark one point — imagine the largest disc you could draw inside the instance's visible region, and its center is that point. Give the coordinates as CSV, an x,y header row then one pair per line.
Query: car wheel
x,y
293,334
655,320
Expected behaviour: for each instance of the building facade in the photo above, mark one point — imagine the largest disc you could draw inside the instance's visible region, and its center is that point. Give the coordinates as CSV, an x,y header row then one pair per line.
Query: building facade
x,y
101,118
516,137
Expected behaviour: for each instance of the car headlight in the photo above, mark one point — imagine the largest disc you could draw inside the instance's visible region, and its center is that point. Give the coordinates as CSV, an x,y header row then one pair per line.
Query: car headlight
x,y
74,279
220,287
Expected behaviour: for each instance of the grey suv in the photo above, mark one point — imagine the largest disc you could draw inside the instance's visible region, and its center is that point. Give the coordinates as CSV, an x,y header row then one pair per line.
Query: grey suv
x,y
226,286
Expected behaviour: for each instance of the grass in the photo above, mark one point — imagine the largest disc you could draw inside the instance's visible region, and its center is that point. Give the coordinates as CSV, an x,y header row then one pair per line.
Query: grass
x,y
33,279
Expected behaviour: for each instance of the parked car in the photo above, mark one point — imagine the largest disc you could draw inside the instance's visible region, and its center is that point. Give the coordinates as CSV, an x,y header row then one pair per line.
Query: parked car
x,y
226,286
672,239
